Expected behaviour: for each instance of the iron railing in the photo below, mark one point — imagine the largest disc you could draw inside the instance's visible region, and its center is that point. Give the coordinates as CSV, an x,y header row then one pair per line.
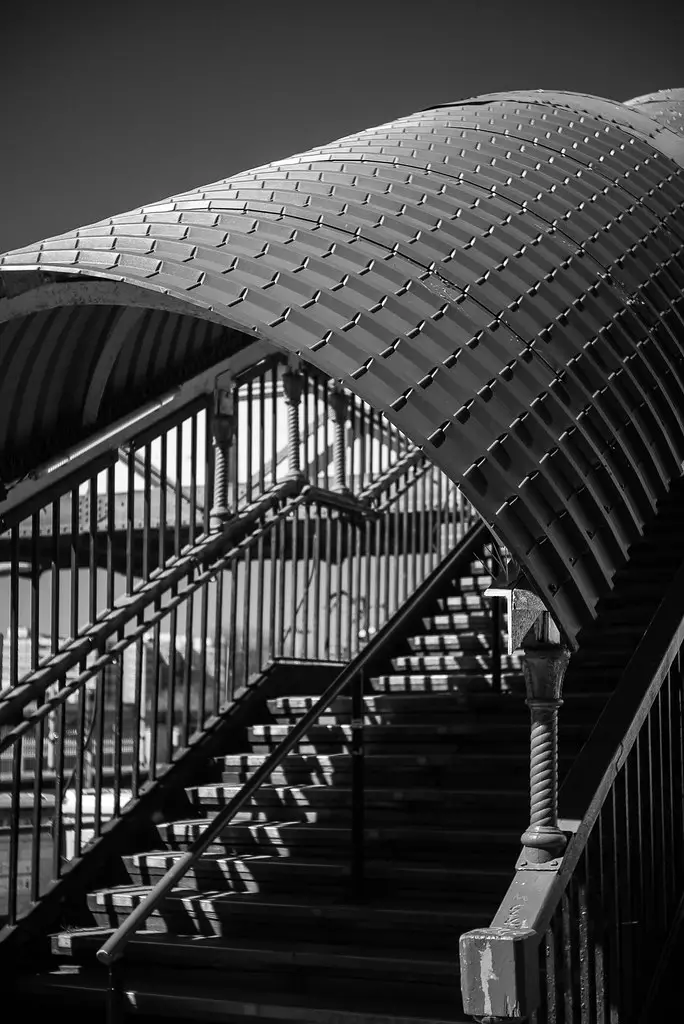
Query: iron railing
x,y
584,937
149,588
351,679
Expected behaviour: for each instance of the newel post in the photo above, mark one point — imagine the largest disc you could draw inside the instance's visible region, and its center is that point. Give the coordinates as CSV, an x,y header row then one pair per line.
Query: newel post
x,y
223,427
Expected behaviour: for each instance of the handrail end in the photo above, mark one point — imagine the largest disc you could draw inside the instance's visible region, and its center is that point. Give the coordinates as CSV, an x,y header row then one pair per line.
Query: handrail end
x,y
106,957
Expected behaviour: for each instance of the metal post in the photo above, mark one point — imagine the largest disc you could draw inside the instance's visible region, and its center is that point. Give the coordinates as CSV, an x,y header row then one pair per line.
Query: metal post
x,y
338,404
358,710
224,423
544,666
293,385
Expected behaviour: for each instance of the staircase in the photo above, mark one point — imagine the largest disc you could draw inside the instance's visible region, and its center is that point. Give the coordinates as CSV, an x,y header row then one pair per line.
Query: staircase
x,y
265,925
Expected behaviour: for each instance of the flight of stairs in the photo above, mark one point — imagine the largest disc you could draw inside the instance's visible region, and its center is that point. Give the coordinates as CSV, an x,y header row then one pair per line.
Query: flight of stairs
x,y
265,926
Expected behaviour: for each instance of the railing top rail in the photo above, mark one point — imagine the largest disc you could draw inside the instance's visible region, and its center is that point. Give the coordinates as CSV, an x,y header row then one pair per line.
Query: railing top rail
x,y
113,948
589,780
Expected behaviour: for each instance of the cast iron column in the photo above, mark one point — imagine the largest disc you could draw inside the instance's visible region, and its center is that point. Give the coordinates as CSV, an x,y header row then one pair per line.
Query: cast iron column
x,y
544,665
223,425
293,385
338,404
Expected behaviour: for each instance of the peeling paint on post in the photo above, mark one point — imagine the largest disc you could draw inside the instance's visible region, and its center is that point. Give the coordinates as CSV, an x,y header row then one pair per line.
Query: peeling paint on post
x,y
500,973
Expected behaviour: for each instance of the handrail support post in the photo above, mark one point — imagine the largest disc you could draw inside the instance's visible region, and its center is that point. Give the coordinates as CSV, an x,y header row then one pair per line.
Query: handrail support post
x,y
338,404
223,428
545,662
293,387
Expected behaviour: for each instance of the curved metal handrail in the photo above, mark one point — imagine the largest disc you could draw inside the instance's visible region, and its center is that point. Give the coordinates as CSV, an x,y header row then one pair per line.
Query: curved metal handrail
x,y
113,948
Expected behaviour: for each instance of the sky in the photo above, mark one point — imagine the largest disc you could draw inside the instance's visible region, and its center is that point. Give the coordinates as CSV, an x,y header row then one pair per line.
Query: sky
x,y
106,106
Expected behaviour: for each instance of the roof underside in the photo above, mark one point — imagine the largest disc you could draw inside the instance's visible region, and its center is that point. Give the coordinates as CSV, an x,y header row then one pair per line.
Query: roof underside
x,y
503,277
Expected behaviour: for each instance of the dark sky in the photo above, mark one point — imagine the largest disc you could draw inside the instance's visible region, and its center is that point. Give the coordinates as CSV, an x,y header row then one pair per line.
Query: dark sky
x,y
107,105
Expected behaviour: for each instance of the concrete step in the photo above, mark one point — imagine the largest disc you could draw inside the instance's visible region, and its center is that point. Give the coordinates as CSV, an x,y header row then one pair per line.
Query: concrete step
x,y
226,955
470,621
467,662
297,994
480,769
480,643
440,682
414,805
459,846
267,874
438,703
234,914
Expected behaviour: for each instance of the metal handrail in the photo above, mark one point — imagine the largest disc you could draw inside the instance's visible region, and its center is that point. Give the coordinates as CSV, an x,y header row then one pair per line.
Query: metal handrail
x,y
14,698
394,628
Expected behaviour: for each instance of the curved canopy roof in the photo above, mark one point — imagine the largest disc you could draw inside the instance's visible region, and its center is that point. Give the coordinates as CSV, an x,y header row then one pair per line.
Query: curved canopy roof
x,y
503,277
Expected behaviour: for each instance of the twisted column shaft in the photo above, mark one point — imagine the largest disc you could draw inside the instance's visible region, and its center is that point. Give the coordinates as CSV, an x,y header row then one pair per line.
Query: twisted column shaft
x,y
223,433
293,385
544,667
338,403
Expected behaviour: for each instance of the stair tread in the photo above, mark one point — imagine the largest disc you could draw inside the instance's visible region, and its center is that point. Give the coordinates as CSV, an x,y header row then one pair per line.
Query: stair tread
x,y
339,867
149,991
286,950
387,909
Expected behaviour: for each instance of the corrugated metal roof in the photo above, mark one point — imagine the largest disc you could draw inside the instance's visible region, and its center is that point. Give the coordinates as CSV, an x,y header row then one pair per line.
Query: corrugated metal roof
x,y
503,277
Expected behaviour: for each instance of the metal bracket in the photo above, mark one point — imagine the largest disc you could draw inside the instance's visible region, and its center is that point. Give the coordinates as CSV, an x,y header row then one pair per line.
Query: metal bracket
x,y
523,605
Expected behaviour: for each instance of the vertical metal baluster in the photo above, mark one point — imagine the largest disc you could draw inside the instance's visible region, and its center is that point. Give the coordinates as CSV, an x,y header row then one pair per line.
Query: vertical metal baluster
x,y
641,897
171,673
275,376
120,730
568,954
92,550
260,598
273,589
654,865
79,775
630,928
318,651
186,719
357,787
220,690
671,811
233,644
204,637
130,518
585,950
282,568
601,939
208,467
178,509
248,442
327,599
676,775
147,512
306,576
398,550
73,564
552,981
139,714
60,791
262,434
293,523
99,733
154,703
193,479
656,714
39,734
14,826
163,488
